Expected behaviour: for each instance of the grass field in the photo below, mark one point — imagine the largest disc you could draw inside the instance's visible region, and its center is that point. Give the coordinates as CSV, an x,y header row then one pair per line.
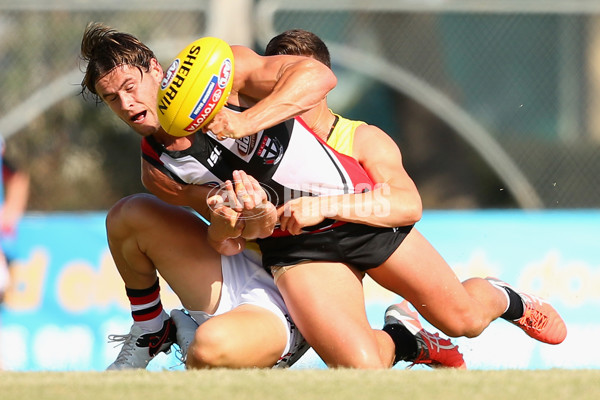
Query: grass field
x,y
303,385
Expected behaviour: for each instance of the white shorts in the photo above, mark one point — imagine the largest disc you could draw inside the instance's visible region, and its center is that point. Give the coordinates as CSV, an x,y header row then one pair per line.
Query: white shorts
x,y
246,282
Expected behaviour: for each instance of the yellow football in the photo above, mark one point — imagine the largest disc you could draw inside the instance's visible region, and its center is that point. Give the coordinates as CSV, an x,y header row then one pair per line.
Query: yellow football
x,y
196,86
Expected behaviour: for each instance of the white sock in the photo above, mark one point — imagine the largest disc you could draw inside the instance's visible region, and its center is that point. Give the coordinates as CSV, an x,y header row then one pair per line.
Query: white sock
x,y
504,292
153,325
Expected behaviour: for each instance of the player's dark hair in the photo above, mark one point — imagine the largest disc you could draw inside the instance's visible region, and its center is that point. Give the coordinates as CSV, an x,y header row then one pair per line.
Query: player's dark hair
x,y
104,48
301,43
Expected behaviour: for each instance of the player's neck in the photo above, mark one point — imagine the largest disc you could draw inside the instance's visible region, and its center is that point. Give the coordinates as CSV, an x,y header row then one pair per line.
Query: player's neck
x,y
320,120
173,143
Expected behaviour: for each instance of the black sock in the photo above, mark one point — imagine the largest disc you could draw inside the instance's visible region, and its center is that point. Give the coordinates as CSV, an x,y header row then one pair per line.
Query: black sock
x,y
515,306
406,344
143,292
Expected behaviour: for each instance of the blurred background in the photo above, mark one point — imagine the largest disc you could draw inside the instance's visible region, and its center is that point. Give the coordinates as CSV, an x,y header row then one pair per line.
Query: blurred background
x,y
494,104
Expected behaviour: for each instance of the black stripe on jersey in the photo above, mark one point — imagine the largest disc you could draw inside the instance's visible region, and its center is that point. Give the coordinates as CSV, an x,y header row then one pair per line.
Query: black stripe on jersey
x,y
335,162
209,152
206,150
157,164
330,151
235,108
162,169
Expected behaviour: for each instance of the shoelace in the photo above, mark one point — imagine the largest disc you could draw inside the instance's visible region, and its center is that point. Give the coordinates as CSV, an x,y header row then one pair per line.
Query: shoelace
x,y
123,340
534,319
180,356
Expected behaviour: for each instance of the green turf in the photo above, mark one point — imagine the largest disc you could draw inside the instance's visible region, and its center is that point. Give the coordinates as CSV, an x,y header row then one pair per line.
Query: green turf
x,y
303,384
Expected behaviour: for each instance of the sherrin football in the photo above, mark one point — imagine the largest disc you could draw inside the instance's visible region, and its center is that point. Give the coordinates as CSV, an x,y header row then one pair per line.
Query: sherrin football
x,y
196,86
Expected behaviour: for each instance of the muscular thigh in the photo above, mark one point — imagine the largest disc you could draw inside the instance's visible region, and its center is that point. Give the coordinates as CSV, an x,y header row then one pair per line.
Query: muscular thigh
x,y
417,272
173,241
326,302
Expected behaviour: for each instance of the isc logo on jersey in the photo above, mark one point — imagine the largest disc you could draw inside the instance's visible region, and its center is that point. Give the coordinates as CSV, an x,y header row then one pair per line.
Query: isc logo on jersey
x,y
210,97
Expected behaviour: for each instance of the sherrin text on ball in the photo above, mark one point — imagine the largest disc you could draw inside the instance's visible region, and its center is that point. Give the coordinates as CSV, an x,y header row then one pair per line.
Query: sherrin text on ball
x,y
196,86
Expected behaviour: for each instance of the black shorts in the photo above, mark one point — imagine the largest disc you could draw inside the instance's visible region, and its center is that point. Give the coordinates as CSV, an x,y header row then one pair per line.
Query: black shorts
x,y
362,246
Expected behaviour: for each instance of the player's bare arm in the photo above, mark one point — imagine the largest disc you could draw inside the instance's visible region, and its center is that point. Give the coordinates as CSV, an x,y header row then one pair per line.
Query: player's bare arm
x,y
170,191
277,88
241,211
381,158
15,201
257,213
223,234
225,230
394,201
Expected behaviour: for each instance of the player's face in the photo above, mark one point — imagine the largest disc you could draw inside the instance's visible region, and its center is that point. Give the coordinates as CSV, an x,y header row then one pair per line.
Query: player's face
x,y
131,94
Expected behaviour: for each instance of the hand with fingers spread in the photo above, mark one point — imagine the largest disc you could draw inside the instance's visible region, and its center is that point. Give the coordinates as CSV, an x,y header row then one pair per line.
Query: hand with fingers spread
x,y
258,213
240,211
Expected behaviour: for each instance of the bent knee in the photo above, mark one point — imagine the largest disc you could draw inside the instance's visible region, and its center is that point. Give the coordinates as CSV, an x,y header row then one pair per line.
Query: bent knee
x,y
467,323
131,211
210,349
123,209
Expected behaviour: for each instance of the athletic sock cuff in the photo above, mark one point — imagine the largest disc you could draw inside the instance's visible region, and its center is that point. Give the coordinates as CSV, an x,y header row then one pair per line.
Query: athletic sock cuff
x,y
143,292
515,308
405,342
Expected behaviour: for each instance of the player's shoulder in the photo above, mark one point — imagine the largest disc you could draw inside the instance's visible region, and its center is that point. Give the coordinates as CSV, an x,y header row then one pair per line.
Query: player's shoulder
x,y
369,139
366,132
241,51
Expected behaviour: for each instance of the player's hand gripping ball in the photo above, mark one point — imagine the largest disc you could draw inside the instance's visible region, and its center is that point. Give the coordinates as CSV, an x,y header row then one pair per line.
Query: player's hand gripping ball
x,y
196,86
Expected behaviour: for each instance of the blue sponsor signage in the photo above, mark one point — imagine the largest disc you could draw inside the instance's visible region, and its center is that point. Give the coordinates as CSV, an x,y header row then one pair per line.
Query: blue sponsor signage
x,y
67,296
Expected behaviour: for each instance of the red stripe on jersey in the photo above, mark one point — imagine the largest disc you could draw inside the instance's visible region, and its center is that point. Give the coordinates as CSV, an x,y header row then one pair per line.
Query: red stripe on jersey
x,y
352,167
149,151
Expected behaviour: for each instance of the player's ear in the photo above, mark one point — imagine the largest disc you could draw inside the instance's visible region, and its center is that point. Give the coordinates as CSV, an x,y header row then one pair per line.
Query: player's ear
x,y
156,68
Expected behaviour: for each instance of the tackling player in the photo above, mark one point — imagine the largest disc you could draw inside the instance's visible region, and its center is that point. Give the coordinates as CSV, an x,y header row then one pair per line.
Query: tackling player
x,y
413,270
